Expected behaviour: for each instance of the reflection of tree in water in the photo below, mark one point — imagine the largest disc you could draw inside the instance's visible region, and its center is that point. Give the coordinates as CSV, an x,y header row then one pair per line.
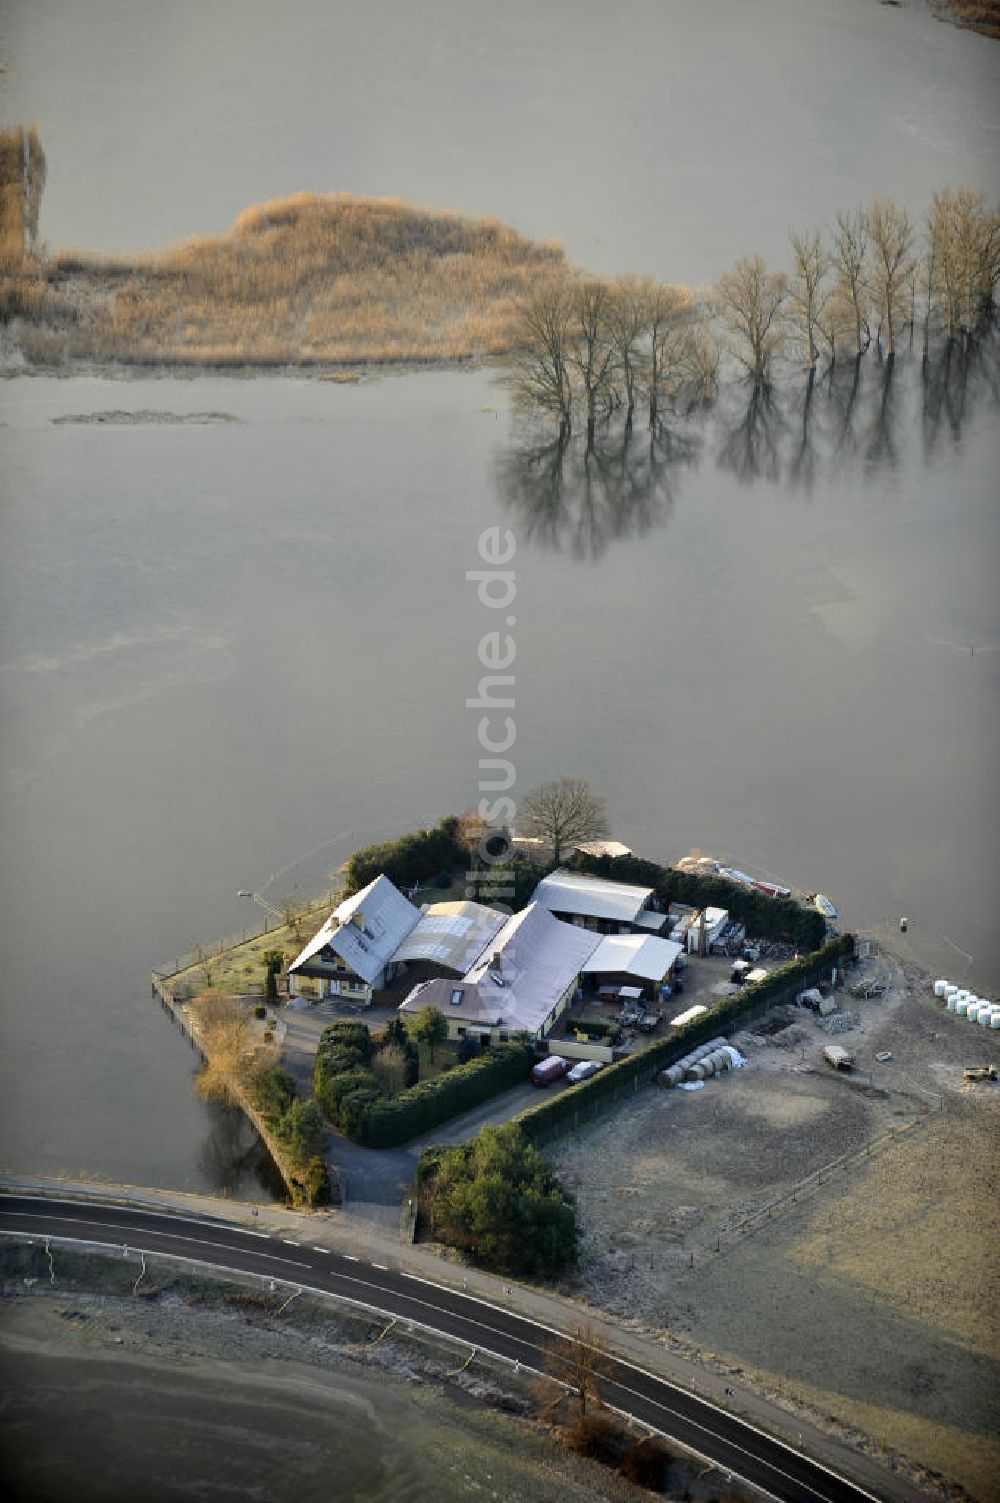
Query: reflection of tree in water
x,y
881,449
967,373
857,417
567,494
232,1155
750,443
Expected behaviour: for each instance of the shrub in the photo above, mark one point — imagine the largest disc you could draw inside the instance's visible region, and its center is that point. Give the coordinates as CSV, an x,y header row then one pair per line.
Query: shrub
x,y
302,1131
599,1435
272,1092
645,1463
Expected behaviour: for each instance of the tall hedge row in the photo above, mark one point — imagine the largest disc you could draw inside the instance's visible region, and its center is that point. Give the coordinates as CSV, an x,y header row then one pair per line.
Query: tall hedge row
x,y
418,857
351,1099
542,1121
765,917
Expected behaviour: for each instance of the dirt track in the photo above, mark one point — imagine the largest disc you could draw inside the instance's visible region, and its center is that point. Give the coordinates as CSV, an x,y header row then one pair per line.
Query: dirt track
x,y
871,1296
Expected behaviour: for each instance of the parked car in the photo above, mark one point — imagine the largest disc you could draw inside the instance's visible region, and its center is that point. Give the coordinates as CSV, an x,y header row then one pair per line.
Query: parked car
x,y
552,1067
584,1070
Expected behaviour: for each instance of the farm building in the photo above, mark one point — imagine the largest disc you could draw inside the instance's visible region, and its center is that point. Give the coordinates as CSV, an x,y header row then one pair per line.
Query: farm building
x,y
448,938
521,983
640,961
600,904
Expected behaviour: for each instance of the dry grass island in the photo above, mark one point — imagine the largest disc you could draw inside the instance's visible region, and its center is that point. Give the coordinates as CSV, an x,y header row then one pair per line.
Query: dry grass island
x,y
332,280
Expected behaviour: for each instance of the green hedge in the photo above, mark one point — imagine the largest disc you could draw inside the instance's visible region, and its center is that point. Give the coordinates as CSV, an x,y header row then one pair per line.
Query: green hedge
x,y
765,917
352,1100
417,857
541,1121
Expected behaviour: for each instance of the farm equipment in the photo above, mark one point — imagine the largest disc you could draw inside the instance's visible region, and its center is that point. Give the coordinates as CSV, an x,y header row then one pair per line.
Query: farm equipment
x,y
979,1072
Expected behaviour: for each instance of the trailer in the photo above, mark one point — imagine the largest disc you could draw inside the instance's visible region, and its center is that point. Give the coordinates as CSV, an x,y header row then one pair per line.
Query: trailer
x,y
838,1057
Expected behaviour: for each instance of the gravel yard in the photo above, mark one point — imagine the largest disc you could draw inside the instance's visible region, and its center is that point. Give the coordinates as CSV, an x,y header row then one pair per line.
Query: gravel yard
x,y
830,1235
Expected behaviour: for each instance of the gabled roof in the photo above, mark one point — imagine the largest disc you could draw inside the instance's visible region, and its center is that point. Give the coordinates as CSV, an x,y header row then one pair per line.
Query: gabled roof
x,y
452,935
456,999
529,965
634,954
365,930
591,897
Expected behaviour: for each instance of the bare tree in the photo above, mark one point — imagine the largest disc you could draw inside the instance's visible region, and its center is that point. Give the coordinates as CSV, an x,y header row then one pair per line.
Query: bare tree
x,y
579,1363
628,317
809,294
562,813
540,375
593,349
751,304
851,272
891,236
33,177
963,254
674,348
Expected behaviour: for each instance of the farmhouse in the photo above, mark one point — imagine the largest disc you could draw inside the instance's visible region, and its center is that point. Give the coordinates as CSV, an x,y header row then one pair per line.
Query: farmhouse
x,y
521,983
600,904
353,954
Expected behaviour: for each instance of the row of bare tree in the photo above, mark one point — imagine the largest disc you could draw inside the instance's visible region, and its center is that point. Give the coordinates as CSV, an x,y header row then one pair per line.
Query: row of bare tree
x,y
597,346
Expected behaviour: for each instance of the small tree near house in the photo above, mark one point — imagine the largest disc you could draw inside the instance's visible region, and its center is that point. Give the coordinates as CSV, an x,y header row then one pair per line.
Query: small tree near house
x,y
430,1027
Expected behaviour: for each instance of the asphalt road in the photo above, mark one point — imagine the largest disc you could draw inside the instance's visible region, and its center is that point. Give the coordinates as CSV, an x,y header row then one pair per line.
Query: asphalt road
x,y
734,1445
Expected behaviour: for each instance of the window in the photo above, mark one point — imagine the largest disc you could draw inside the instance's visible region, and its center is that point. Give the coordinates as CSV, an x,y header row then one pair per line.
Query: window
x,y
457,994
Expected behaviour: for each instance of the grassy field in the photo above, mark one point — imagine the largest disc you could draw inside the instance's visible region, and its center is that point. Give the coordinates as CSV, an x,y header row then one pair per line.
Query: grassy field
x,y
869,1300
308,280
240,968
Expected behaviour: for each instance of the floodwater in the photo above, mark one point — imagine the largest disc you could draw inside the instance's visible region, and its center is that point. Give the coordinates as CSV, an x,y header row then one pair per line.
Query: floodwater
x,y
232,651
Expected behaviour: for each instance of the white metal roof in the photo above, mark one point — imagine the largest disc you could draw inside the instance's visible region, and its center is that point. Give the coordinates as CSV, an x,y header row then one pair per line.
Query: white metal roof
x,y
452,934
636,954
365,930
591,897
539,959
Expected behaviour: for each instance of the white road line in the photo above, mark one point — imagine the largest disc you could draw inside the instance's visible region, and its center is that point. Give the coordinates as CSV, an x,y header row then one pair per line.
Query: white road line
x,y
350,1257
320,1249
383,1266
760,1460
289,1243
143,1208
105,1226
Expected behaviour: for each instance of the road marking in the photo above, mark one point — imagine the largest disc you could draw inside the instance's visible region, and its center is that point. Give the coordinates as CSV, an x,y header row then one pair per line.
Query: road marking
x,y
320,1249
169,1236
289,1243
625,1365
